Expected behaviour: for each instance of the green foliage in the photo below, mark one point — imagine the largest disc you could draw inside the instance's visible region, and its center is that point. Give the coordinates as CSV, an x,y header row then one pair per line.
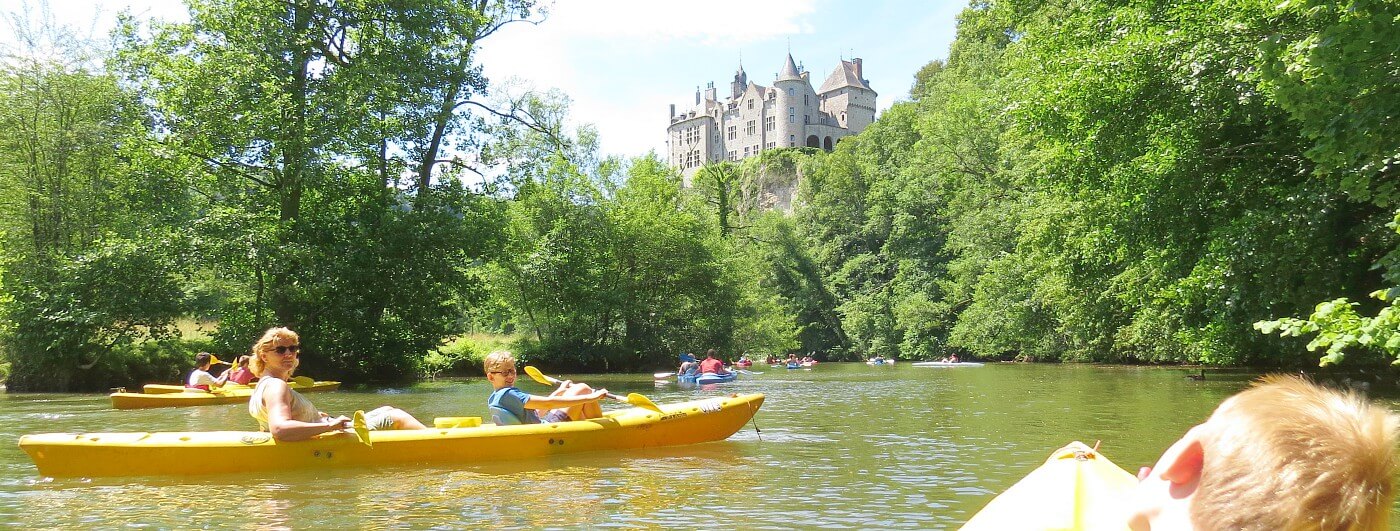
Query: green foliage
x,y
317,165
69,319
1339,327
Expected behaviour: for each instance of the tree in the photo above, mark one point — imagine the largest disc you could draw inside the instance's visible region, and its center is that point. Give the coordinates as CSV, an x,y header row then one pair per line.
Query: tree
x,y
315,128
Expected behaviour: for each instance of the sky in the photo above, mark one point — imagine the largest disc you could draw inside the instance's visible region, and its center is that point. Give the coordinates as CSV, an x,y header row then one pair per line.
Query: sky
x,y
623,62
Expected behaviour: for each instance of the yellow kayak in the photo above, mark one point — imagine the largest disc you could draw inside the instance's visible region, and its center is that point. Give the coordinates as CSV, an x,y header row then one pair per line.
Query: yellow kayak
x,y
188,397
299,383
1076,488
187,453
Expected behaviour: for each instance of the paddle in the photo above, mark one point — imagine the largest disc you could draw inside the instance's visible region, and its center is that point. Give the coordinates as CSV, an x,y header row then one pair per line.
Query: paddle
x,y
361,427
661,375
745,371
632,398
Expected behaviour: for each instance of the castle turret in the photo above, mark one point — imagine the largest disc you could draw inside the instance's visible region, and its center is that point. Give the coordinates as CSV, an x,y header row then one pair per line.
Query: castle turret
x,y
789,72
741,82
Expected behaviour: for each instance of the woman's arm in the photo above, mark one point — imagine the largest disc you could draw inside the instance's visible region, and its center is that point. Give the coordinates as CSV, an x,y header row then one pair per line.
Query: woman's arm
x,y
277,398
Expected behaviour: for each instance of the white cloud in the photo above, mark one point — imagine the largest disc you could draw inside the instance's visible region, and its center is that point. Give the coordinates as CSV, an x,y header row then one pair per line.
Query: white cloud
x,y
712,21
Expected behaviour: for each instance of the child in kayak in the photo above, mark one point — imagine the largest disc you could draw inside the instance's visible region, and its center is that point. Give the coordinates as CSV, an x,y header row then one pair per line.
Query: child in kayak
x,y
510,405
1283,454
200,377
240,373
287,414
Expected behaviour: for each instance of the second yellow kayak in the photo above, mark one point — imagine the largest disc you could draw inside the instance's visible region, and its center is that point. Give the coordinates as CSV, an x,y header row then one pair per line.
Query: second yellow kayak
x,y
223,395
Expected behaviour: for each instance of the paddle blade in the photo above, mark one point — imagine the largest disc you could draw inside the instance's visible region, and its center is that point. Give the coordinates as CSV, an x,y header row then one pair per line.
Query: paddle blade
x,y
638,400
538,376
214,360
361,427
304,381
661,375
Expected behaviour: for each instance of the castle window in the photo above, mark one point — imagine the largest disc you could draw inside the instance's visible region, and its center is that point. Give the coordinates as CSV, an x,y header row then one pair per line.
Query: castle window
x,y
771,145
732,129
792,140
752,127
746,151
733,155
804,99
790,92
750,104
806,118
770,123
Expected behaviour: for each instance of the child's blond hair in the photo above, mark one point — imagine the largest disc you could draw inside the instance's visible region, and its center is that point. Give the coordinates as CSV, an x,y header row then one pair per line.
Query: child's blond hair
x,y
499,360
1289,454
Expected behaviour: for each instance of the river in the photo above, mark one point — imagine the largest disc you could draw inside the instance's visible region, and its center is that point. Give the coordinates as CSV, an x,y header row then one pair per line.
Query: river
x,y
840,445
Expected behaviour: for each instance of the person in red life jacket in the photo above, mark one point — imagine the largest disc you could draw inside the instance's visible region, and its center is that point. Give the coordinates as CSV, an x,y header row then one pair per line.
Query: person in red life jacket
x,y
241,374
710,365
200,378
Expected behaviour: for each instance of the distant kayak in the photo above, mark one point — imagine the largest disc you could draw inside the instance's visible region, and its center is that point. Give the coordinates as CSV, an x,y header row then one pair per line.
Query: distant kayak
x,y
1076,488
947,364
879,362
194,397
707,378
794,365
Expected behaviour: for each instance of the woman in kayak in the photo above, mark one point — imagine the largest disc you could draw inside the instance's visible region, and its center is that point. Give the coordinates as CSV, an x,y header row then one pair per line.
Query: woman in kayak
x,y
287,414
510,405
1283,454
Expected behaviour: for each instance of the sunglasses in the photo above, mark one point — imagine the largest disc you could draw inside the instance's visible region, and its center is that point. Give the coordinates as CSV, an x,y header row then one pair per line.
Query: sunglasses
x,y
507,371
288,348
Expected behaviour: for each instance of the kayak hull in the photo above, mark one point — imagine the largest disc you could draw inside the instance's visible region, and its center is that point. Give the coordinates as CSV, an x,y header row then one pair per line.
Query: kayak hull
x,y
1076,488
187,453
201,398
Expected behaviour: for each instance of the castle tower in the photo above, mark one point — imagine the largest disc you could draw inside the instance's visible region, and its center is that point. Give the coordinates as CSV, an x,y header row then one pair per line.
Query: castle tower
x,y
741,81
792,89
847,96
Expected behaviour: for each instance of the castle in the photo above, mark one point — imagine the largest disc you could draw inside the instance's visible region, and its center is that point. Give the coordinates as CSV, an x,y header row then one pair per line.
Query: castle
x,y
755,118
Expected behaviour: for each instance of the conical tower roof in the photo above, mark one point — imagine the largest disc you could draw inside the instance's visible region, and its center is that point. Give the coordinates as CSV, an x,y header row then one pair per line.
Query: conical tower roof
x,y
789,71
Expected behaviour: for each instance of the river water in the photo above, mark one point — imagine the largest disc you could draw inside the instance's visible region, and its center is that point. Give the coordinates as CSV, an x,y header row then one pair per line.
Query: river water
x,y
836,446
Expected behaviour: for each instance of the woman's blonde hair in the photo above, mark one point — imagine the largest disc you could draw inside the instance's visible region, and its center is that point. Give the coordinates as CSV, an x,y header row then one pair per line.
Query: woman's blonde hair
x,y
265,346
1289,454
498,360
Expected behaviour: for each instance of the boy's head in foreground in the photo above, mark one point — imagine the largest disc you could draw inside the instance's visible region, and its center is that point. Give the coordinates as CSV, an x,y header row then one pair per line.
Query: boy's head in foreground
x,y
1283,454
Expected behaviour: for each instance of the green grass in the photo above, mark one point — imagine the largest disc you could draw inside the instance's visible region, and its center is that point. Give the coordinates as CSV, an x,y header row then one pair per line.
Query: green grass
x,y
462,355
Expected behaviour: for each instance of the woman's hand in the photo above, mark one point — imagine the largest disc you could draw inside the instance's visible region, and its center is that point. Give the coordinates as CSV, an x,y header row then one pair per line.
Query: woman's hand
x,y
340,423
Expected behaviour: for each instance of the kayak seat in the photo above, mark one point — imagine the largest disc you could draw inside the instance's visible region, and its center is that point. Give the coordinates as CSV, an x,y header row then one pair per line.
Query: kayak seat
x,y
503,417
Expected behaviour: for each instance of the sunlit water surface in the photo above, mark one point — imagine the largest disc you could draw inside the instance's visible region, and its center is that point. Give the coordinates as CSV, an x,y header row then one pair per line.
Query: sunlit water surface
x,y
836,446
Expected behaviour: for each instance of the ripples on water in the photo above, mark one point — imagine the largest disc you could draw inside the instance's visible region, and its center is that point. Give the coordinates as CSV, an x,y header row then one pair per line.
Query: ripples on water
x,y
839,446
